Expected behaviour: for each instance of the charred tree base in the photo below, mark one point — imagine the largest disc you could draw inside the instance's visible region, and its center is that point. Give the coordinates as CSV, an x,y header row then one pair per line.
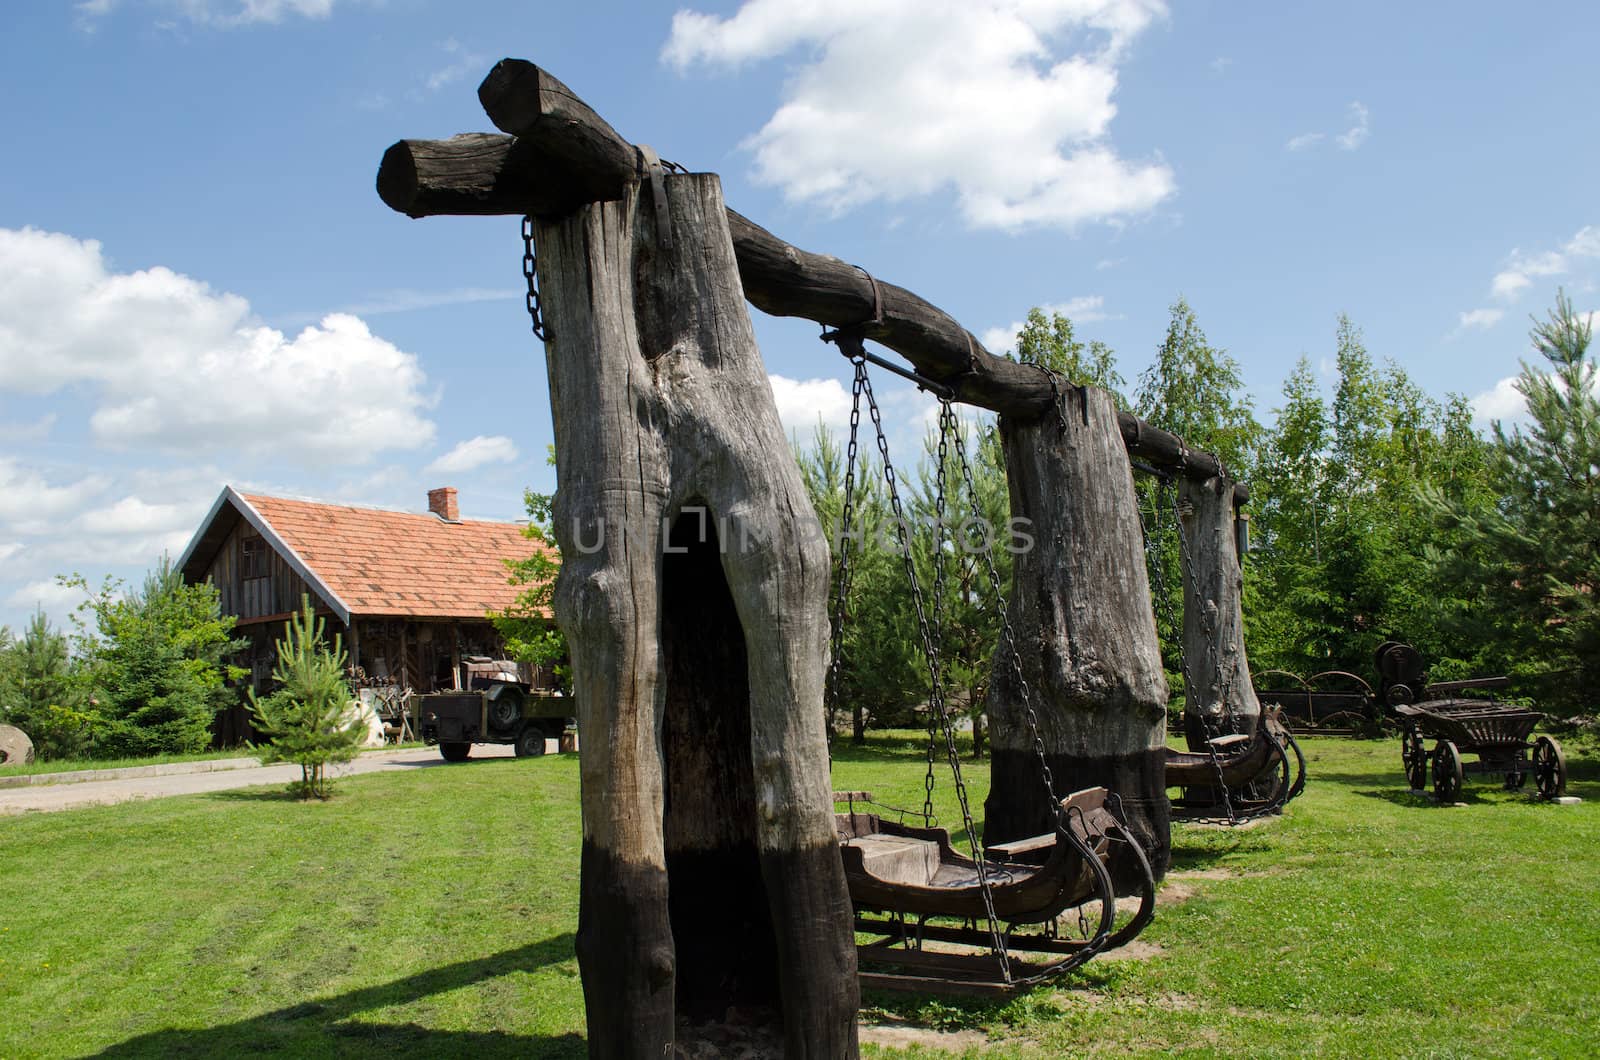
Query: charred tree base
x,y
1017,806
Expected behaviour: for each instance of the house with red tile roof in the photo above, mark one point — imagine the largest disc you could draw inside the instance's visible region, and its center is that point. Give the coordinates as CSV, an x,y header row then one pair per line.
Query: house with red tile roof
x,y
409,592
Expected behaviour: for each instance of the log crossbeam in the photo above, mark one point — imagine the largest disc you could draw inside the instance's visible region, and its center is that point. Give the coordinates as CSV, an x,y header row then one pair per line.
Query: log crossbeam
x,y
554,154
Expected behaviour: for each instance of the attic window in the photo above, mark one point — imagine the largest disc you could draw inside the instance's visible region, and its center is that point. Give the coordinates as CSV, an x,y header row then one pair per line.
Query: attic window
x,y
252,558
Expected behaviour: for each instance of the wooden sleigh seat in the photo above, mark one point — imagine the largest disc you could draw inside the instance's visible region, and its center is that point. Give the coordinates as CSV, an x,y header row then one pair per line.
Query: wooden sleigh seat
x,y
1255,766
906,869
914,876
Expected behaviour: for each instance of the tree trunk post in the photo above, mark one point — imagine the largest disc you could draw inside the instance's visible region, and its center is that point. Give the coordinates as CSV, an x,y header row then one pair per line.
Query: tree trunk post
x,y
693,594
1080,610
1221,697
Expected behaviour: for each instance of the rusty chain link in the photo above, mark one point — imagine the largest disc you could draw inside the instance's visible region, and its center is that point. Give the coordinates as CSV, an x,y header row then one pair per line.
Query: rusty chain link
x,y
530,272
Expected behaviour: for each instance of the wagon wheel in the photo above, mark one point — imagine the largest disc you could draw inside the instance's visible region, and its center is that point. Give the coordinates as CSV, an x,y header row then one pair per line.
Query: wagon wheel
x,y
1549,768
1414,756
1446,772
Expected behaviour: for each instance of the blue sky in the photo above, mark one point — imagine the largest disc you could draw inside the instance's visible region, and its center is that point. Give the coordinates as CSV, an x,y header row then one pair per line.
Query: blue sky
x,y
199,286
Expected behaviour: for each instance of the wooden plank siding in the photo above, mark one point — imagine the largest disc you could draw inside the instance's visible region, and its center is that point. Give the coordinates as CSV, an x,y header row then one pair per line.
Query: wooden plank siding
x,y
273,595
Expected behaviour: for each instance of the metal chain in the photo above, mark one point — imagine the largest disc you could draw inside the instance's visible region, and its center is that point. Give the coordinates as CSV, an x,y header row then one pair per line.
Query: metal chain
x,y
1009,640
1057,399
846,519
530,272
936,703
938,589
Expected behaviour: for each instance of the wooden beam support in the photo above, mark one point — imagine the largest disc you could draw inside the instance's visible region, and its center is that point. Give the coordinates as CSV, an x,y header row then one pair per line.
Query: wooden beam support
x,y
560,154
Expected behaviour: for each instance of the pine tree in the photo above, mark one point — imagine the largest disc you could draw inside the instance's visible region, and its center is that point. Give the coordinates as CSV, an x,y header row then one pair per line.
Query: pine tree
x,y
155,660
1534,553
1051,342
41,691
308,720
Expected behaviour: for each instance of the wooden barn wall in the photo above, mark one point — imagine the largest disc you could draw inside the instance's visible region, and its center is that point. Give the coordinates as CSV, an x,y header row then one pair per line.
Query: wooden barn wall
x,y
277,593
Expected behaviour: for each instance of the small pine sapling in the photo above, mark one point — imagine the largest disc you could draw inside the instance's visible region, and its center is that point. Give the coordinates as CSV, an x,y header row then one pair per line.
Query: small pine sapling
x,y
308,719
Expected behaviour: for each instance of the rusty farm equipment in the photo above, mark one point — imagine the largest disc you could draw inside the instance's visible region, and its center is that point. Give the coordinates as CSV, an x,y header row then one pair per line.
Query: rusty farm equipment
x,y
1497,733
1331,703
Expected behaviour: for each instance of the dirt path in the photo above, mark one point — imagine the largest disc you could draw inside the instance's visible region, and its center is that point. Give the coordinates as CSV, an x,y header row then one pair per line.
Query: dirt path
x,y
47,797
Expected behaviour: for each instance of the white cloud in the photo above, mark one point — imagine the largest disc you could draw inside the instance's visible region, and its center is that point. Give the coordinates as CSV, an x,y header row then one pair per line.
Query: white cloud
x,y
1357,134
48,595
404,300
132,516
1080,310
464,63
9,549
475,453
28,501
1007,101
802,403
1586,243
37,431
171,363
1220,64
1521,268
1501,402
1479,319
90,11
223,14
1352,138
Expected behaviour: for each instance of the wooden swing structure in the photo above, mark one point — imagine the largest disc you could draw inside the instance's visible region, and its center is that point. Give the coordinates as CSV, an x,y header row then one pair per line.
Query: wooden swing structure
x,y
900,871
1242,762
699,666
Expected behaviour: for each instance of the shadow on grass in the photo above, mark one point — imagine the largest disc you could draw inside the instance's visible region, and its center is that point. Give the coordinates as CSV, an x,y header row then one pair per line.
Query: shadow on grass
x,y
327,1025
1194,849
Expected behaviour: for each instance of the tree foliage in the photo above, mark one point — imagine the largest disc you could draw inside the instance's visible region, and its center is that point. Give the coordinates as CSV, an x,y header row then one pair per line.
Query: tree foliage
x,y
1341,523
308,719
1052,342
527,624
1378,512
155,663
42,691
1196,391
877,679
1531,558
963,608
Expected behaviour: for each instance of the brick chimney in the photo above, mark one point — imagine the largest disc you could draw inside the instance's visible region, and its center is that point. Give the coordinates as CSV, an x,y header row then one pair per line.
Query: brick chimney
x,y
442,502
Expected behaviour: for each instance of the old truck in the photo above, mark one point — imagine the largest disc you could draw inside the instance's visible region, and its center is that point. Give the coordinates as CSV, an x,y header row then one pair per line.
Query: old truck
x,y
500,701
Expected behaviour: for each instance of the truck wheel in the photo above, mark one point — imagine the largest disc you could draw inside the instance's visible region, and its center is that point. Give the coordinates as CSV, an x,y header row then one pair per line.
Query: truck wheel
x,y
530,742
505,709
455,752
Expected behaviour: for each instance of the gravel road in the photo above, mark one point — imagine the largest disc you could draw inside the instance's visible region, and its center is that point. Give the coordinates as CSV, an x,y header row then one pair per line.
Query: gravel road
x,y
46,797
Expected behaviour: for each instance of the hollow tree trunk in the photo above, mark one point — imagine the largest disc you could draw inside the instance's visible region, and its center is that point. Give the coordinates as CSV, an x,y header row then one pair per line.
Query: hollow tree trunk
x,y
1080,610
693,594
1222,697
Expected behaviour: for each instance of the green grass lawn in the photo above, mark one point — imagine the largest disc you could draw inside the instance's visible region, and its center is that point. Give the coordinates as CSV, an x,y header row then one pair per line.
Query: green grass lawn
x,y
432,912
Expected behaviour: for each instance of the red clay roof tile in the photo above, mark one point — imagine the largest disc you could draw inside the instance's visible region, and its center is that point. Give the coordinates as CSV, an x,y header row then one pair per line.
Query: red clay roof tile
x,y
401,563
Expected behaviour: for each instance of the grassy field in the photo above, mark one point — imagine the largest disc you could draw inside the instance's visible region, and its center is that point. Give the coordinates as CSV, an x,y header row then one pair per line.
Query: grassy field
x,y
431,913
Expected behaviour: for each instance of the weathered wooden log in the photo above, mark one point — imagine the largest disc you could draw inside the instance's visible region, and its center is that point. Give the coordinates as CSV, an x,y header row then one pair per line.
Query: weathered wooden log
x,y
1220,695
693,594
1080,606
563,154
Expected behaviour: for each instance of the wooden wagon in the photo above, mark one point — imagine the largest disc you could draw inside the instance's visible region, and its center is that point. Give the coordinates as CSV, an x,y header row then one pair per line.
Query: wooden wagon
x,y
1496,732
